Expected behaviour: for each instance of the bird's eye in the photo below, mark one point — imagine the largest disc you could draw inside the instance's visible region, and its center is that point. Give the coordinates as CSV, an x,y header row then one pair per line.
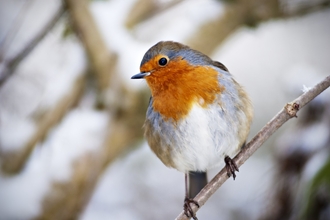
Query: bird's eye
x,y
162,61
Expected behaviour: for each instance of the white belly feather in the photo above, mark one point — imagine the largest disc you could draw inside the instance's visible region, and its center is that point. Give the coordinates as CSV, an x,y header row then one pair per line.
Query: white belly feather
x,y
206,139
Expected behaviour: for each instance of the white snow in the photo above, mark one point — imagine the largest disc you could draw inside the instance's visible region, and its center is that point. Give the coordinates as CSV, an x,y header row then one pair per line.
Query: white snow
x,y
14,132
80,132
305,89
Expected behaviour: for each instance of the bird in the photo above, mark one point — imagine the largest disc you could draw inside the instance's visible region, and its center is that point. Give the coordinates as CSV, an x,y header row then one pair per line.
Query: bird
x,y
198,115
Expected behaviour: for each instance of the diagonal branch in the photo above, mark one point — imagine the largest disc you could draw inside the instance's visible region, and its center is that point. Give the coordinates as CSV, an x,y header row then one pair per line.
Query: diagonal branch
x,y
102,60
8,66
289,111
249,13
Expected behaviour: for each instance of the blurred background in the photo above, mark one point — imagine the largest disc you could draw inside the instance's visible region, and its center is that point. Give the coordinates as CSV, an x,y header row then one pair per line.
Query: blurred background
x,y
71,137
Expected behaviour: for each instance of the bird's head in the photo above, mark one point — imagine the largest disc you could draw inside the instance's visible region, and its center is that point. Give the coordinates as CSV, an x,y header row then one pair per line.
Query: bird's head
x,y
178,77
169,57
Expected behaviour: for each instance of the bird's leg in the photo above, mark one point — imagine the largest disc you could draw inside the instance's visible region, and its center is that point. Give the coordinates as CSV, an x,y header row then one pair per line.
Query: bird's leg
x,y
187,201
231,167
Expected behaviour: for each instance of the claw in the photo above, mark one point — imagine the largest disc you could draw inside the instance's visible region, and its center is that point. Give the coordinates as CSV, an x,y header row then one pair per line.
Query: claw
x,y
188,211
231,167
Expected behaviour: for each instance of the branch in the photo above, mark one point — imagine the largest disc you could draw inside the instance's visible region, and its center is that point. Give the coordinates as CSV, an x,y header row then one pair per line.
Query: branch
x,y
102,60
236,14
249,13
9,65
14,161
284,115
303,8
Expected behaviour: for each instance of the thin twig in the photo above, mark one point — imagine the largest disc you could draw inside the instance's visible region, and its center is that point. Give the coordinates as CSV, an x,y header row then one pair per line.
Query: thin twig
x,y
13,29
284,115
8,66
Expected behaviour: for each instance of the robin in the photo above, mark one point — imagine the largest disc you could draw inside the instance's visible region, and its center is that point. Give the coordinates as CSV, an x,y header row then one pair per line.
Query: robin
x,y
198,116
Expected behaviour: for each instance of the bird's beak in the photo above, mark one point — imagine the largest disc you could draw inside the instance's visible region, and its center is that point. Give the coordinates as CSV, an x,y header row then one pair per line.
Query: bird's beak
x,y
140,75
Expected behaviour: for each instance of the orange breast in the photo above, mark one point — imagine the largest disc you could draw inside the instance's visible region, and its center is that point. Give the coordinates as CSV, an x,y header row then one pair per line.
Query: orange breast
x,y
177,86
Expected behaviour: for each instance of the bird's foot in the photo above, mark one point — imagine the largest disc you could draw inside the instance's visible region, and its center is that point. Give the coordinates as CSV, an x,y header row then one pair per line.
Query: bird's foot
x,y
231,167
188,211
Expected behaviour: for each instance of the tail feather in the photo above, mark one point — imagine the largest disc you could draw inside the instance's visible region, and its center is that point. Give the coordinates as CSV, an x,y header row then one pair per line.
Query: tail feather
x,y
197,180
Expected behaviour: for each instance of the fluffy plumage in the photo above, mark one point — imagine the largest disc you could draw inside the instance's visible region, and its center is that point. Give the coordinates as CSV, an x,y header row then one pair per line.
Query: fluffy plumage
x,y
198,113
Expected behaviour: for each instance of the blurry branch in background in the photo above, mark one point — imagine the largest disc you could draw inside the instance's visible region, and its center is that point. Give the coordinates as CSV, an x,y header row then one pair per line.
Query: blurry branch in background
x,y
66,200
13,29
102,60
14,161
292,8
238,13
8,65
145,9
289,111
